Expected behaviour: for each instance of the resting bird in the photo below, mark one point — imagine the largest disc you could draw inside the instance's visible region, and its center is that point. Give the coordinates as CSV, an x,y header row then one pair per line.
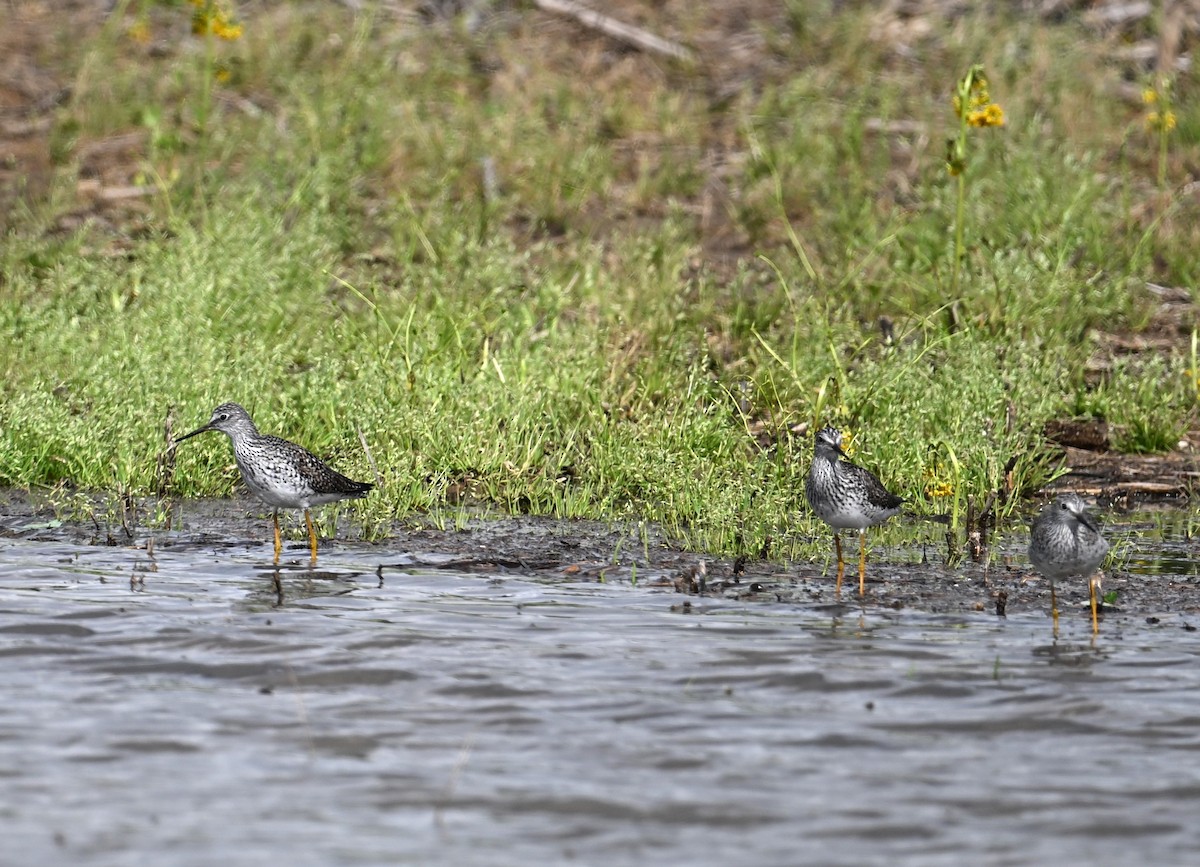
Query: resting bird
x,y
846,497
1065,543
280,473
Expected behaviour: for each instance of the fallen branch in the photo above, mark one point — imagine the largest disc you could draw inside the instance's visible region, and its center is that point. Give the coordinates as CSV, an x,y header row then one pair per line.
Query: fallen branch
x,y
627,33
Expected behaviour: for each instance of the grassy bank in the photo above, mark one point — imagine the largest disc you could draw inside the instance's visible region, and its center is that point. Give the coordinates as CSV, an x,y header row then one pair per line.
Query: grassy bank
x,y
543,275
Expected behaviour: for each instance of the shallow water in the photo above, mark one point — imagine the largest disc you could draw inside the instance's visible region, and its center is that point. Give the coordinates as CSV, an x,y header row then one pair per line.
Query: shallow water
x,y
179,711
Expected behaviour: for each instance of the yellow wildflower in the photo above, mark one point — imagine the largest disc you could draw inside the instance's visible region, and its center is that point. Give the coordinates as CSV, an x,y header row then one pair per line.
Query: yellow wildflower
x,y
211,18
990,115
935,485
939,489
228,31
979,87
1165,121
979,98
973,106
139,32
1149,96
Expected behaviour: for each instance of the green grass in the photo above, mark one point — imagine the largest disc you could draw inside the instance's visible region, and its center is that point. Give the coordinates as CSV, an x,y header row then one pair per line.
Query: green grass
x,y
601,336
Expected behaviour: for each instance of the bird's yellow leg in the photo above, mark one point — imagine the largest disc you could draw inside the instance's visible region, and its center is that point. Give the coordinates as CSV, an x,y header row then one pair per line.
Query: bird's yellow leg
x,y
862,562
1092,594
837,541
1054,608
312,535
278,544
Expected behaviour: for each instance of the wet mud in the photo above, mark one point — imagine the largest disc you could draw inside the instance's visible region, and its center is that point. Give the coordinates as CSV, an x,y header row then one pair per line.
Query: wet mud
x,y
1151,580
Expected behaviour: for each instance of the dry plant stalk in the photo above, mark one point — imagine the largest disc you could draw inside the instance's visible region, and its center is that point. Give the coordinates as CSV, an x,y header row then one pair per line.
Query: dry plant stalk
x,y
165,471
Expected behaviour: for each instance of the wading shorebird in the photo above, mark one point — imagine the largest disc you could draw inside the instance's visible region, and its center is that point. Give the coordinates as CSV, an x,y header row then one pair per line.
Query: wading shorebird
x,y
280,473
1066,543
846,497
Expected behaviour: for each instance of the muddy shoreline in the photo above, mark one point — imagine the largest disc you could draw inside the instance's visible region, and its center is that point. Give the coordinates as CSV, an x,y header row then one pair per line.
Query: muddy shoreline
x,y
1156,581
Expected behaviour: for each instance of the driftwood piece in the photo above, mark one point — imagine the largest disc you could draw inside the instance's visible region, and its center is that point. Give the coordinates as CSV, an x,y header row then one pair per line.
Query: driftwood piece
x,y
619,30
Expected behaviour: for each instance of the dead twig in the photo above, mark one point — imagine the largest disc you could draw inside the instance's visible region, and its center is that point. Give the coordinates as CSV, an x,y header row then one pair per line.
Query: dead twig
x,y
618,30
370,458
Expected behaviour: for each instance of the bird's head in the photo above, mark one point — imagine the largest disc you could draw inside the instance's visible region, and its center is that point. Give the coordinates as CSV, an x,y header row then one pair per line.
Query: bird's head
x,y
229,418
830,437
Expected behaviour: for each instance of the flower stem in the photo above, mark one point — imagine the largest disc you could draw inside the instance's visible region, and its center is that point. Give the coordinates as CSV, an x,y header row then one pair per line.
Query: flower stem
x,y
958,234
203,113
1163,132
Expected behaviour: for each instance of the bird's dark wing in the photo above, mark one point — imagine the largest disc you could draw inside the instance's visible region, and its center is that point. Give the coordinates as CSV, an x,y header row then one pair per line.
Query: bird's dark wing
x,y
877,494
324,479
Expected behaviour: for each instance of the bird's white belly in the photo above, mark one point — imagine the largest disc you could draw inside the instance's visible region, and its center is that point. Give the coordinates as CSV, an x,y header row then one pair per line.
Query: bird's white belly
x,y
839,520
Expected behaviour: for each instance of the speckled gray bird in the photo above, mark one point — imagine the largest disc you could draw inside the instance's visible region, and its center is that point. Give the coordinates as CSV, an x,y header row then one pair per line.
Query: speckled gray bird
x,y
1066,543
280,473
846,497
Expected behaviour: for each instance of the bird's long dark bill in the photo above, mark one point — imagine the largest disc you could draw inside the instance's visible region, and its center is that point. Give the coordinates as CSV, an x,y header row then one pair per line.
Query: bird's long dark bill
x,y
198,430
1089,522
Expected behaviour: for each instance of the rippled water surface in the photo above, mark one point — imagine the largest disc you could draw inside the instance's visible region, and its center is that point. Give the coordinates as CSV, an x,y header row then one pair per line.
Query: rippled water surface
x,y
181,716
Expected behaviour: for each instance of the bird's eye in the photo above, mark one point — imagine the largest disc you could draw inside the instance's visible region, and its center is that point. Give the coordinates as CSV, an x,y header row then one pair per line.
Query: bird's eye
x,y
1063,506
225,417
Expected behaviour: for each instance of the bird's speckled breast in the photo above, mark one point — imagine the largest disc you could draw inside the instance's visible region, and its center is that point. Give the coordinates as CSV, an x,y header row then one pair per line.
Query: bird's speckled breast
x,y
835,498
1061,549
274,480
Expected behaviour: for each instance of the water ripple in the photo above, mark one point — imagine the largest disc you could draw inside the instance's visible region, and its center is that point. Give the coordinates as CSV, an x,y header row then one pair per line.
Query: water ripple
x,y
208,709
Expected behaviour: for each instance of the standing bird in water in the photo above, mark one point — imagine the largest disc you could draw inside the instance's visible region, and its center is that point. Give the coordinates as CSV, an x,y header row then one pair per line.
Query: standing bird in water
x,y
846,497
1066,543
280,473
